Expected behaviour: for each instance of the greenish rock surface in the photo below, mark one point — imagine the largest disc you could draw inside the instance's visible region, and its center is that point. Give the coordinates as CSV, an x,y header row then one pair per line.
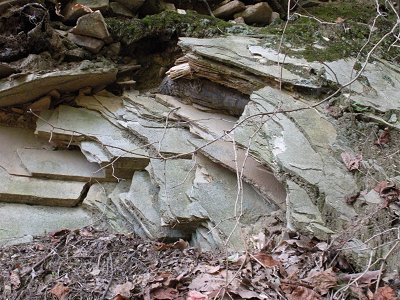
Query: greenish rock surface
x,y
19,222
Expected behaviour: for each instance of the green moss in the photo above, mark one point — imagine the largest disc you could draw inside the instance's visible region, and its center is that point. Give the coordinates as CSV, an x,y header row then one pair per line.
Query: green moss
x,y
166,23
321,41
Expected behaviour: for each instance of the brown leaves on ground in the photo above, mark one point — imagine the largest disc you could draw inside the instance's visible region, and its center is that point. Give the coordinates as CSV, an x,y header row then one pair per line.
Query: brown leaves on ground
x,y
384,138
323,281
351,161
86,264
303,293
60,291
385,293
123,291
388,191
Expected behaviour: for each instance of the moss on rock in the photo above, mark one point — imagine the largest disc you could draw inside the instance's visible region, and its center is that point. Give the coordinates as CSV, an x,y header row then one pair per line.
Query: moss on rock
x,y
335,30
167,23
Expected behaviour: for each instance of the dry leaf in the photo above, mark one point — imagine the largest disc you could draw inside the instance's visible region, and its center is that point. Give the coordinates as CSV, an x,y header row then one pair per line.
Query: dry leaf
x,y
266,260
14,280
385,293
60,291
339,20
164,294
303,293
352,162
388,192
384,138
181,245
123,291
194,295
323,281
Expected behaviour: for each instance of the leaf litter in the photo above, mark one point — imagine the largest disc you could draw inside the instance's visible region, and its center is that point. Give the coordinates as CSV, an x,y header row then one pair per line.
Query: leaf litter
x,y
92,264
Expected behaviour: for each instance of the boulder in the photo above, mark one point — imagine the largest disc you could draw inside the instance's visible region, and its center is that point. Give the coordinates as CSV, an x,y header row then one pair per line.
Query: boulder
x,y
259,13
229,9
92,25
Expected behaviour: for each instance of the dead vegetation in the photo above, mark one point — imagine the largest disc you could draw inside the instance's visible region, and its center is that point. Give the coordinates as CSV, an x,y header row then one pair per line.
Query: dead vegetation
x,y
150,164
88,264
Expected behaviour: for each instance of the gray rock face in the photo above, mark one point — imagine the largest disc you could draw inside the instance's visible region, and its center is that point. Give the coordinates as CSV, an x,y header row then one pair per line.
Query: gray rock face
x,y
19,222
61,165
299,143
74,125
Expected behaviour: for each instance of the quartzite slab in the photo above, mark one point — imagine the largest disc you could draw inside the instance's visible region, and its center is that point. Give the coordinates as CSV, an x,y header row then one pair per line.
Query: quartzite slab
x,y
20,222
11,139
60,164
35,191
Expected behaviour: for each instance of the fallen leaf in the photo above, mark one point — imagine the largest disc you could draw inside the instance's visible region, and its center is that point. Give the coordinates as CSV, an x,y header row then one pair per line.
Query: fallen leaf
x,y
323,281
194,295
357,292
123,291
303,293
164,294
15,280
352,162
60,291
385,293
181,244
387,191
339,20
95,271
384,138
266,260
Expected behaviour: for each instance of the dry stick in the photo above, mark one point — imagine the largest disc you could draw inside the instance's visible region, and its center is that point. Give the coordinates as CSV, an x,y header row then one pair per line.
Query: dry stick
x,y
111,279
383,263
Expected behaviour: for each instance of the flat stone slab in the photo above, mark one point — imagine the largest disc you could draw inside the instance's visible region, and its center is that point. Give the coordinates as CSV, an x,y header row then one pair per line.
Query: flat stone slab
x,y
11,139
19,222
74,125
35,191
261,177
204,124
61,165
28,87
